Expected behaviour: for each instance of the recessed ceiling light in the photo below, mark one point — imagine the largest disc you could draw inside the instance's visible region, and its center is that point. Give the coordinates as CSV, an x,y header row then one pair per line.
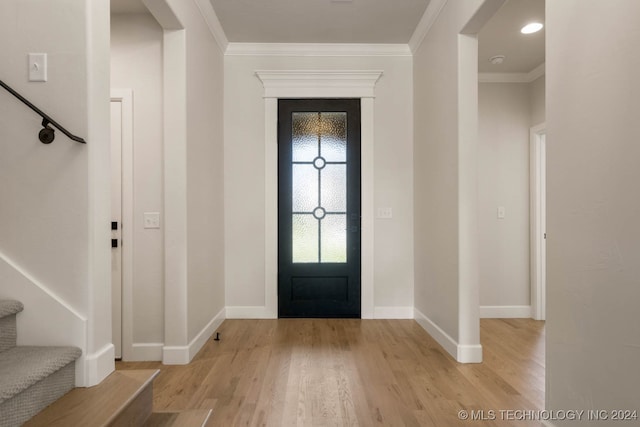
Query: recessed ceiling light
x,y
497,60
533,27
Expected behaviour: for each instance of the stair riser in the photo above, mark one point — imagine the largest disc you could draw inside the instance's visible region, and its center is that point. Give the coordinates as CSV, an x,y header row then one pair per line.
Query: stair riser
x,y
15,411
8,332
137,411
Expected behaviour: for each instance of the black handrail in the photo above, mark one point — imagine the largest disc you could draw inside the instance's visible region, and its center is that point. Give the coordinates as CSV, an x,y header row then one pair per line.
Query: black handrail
x,y
46,135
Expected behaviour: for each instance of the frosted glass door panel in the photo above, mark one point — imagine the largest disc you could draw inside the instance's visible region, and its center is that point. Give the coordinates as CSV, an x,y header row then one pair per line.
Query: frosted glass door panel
x,y
334,238
334,188
334,139
305,188
305,238
319,187
304,141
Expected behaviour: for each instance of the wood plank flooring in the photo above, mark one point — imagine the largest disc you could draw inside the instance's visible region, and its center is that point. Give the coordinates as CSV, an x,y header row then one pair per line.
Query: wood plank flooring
x,y
345,372
123,398
192,417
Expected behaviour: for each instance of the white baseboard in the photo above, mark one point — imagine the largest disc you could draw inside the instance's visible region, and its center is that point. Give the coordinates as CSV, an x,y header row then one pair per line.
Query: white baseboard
x,y
250,312
199,340
183,355
469,353
47,319
505,311
99,365
261,312
444,339
175,355
146,352
392,312
462,353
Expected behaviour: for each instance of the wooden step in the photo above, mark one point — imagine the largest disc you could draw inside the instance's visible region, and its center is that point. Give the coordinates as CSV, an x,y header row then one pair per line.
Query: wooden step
x,y
123,398
189,418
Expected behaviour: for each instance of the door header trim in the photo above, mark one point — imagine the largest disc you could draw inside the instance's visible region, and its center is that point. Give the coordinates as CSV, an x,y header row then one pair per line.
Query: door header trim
x,y
319,83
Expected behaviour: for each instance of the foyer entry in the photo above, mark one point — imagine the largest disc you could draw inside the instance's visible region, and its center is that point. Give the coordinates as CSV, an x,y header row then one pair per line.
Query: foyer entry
x,y
319,208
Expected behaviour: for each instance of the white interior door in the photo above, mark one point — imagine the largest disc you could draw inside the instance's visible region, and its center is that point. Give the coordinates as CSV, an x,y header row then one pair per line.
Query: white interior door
x,y
116,226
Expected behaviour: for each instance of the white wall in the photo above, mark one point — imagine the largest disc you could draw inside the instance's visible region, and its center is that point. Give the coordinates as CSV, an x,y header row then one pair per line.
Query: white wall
x,y
503,180
593,246
44,188
136,63
244,163
205,173
52,195
437,176
537,98
100,356
193,176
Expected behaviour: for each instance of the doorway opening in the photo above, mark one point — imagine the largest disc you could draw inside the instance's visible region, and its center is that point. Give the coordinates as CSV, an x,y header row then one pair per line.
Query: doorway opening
x,y
136,46
511,92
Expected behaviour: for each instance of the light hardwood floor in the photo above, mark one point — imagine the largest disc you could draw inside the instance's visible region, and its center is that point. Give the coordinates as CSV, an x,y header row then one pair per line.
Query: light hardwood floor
x,y
343,372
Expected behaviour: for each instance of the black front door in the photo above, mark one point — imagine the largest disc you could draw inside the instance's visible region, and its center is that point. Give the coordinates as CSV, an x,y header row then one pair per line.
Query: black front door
x,y
319,208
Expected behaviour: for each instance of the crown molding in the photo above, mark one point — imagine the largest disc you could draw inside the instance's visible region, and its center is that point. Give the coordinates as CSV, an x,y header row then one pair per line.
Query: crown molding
x,y
327,83
210,17
316,49
426,22
512,77
536,73
503,78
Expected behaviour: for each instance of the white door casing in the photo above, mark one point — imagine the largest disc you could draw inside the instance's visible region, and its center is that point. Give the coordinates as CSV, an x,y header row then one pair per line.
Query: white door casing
x,y
122,212
318,84
538,240
116,218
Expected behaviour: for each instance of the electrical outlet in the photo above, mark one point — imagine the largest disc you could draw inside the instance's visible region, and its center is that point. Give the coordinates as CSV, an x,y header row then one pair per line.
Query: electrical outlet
x,y
152,220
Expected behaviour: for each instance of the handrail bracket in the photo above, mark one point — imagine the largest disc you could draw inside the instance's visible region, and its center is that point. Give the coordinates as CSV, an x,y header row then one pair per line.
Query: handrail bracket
x,y
47,133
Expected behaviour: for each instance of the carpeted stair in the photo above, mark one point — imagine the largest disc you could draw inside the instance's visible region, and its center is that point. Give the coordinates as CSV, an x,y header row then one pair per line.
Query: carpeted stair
x,y
30,377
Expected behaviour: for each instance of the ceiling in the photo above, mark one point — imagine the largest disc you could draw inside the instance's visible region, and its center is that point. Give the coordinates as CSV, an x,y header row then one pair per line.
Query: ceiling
x,y
319,21
501,36
370,21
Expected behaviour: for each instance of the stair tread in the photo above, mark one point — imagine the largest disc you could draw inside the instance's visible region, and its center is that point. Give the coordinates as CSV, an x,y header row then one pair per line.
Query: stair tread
x,y
10,307
98,405
23,366
187,418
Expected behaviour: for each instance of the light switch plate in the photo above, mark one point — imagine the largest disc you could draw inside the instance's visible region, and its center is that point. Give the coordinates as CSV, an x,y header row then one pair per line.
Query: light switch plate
x,y
152,220
501,212
37,67
385,213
